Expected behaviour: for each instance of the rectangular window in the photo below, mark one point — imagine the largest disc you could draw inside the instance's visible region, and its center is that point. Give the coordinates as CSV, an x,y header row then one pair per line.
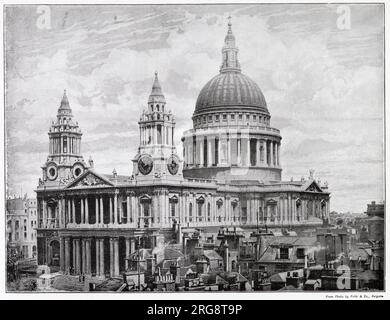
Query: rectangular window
x,y
210,118
217,117
300,253
224,117
124,212
173,209
216,156
146,209
247,117
232,117
283,253
240,117
200,205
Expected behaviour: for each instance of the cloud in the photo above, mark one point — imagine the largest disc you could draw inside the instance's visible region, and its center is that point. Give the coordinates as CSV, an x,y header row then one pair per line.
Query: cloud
x,y
324,95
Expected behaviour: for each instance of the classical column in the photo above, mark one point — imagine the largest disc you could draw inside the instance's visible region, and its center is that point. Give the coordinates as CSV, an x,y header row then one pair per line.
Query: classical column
x,y
101,210
88,256
62,255
116,208
97,256
83,257
116,256
133,209
111,257
120,209
74,255
265,154
111,220
209,152
78,256
167,208
271,153
228,150
239,150
69,217
82,210
44,215
96,210
132,245
248,152
73,212
200,152
59,218
276,153
257,152
67,254
128,209
101,255
86,210
127,253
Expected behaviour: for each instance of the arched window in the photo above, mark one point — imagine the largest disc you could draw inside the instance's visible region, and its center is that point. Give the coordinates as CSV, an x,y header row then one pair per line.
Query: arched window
x,y
190,211
208,212
157,108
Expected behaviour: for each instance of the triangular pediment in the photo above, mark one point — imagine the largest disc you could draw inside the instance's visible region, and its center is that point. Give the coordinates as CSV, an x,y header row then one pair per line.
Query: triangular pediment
x,y
271,202
89,179
313,187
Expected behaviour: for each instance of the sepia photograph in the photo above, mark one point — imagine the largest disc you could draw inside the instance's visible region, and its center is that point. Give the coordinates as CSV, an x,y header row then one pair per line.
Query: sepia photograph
x,y
211,147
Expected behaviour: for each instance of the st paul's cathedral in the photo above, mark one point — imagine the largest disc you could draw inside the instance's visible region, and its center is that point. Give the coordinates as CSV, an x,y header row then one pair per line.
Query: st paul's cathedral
x,y
229,175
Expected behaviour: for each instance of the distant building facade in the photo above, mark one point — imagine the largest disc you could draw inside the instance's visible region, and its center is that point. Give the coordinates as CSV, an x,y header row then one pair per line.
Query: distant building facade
x,y
21,218
376,209
230,176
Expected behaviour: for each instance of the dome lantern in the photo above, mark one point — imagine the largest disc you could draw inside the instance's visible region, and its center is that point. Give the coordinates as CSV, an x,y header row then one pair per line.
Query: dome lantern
x,y
230,90
230,52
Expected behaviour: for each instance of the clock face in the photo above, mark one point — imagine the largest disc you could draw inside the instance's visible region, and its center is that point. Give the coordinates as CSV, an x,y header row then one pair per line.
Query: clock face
x,y
52,172
173,165
145,164
77,170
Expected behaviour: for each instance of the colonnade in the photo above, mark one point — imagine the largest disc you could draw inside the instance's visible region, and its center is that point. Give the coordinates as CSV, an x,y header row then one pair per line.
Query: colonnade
x,y
191,209
223,149
66,143
79,210
157,134
76,255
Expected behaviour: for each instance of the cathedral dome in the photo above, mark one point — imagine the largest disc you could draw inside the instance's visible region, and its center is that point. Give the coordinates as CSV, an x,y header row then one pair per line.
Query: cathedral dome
x,y
230,89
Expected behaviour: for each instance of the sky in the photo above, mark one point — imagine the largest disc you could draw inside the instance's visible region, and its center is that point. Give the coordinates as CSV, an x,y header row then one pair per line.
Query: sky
x,y
324,84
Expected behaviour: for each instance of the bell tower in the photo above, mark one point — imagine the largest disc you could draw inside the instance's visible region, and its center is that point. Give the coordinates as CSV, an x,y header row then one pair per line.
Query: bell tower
x,y
65,161
157,156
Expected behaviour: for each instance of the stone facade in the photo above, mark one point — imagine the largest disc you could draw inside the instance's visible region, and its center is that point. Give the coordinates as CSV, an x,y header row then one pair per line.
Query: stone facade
x,y
21,227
